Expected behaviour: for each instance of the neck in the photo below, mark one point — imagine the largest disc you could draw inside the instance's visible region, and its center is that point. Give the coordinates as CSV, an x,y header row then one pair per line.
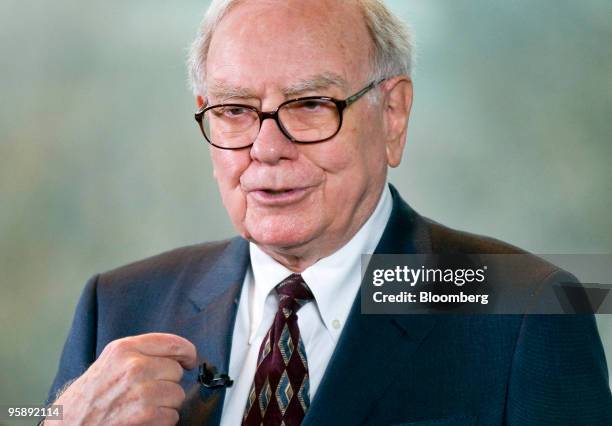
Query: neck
x,y
298,259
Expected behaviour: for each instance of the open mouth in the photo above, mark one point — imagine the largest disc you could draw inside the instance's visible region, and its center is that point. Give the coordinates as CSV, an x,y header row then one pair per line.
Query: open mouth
x,y
277,192
278,197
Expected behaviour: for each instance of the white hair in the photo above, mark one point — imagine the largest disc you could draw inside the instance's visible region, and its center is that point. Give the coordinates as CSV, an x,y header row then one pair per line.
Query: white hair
x,y
392,48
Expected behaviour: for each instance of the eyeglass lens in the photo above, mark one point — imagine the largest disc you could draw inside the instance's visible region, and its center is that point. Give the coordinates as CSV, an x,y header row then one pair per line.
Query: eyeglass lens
x,y
307,120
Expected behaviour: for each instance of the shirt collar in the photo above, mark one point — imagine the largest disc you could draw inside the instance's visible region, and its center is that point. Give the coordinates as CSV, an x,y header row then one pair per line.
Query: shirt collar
x,y
333,280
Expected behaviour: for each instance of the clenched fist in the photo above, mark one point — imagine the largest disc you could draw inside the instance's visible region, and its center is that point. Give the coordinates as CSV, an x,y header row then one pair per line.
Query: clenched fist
x,y
135,381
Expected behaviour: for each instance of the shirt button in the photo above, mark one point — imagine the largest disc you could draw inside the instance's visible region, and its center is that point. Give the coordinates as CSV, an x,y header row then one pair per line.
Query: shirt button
x,y
336,324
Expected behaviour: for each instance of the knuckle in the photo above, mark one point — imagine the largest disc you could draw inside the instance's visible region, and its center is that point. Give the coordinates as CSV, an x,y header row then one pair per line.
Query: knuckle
x,y
173,417
148,390
135,367
178,370
179,394
175,344
145,414
167,416
173,394
174,347
118,346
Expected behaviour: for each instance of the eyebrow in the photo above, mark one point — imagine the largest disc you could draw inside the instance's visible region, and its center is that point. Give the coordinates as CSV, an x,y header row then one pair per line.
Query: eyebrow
x,y
223,90
315,83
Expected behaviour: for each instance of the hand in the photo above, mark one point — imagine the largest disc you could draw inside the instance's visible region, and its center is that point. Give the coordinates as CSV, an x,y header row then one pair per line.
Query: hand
x,y
135,381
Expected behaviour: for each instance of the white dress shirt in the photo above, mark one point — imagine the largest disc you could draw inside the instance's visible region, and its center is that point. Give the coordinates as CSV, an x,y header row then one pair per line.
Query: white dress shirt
x,y
334,282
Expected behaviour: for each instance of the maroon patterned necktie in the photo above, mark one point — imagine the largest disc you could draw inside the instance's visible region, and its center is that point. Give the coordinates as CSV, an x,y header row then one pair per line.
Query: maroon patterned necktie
x,y
279,394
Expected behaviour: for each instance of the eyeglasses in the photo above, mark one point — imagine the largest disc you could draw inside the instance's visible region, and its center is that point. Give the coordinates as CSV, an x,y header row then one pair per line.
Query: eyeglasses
x,y
310,119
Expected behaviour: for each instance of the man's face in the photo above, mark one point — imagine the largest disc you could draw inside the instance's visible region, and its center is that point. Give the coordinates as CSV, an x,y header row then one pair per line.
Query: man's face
x,y
297,200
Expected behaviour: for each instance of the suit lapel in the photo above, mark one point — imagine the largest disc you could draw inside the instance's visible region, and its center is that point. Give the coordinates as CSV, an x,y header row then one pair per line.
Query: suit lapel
x,y
215,300
372,348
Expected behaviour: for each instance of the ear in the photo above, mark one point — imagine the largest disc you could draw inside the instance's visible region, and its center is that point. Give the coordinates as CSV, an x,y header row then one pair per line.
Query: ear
x,y
396,110
199,101
200,104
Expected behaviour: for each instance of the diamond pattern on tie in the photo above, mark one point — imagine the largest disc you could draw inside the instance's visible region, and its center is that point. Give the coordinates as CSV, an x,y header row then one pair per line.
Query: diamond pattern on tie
x,y
284,393
303,394
267,348
285,345
264,398
280,388
250,402
302,353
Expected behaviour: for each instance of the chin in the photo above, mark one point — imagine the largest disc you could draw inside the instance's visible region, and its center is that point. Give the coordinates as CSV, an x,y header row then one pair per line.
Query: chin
x,y
282,235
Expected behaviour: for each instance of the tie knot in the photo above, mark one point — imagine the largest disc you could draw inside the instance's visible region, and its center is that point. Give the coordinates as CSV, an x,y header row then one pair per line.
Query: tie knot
x,y
293,292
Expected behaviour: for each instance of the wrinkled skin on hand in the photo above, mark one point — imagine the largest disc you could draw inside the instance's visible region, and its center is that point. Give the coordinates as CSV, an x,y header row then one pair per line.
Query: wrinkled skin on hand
x,y
135,381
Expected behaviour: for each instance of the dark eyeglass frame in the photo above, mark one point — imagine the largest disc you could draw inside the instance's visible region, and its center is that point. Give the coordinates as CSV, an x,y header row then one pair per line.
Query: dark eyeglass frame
x,y
341,105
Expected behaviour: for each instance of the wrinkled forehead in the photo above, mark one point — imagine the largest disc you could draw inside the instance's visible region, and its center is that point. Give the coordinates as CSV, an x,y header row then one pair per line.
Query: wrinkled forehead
x,y
263,43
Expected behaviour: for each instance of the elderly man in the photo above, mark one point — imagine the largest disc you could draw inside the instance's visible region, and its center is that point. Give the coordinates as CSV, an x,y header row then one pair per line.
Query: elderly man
x,y
305,105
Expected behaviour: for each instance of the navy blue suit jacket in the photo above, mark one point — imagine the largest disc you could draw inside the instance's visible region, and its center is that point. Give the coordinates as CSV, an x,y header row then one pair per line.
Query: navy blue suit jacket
x,y
386,369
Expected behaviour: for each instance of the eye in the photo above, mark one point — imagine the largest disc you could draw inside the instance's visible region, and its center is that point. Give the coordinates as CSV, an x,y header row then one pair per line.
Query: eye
x,y
234,111
231,111
311,104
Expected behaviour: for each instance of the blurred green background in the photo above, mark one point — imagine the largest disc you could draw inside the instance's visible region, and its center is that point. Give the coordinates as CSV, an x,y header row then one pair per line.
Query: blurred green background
x,y
101,162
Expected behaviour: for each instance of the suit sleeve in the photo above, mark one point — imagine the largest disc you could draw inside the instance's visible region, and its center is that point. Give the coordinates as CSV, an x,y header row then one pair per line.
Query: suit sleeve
x,y
559,374
80,347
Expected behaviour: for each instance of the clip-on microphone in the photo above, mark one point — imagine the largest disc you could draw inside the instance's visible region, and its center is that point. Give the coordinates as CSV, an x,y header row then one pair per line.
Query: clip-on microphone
x,y
210,379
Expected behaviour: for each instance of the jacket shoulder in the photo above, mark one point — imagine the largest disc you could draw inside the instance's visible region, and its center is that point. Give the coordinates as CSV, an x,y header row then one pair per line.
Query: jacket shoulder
x,y
448,240
166,267
445,240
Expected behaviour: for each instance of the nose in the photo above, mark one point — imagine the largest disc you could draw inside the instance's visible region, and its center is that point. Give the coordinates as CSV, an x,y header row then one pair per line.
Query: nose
x,y
271,145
